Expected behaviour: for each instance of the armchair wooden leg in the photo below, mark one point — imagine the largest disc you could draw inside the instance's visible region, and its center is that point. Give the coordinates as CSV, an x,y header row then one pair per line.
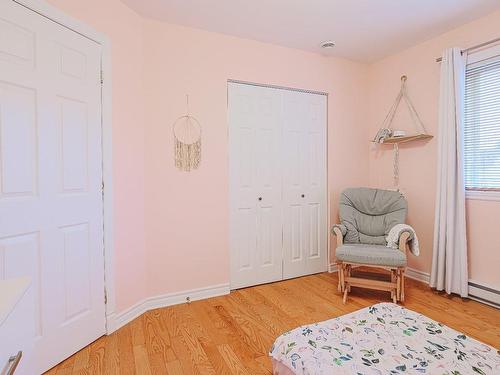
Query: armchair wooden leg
x,y
339,275
344,300
348,274
398,285
393,280
402,285
343,278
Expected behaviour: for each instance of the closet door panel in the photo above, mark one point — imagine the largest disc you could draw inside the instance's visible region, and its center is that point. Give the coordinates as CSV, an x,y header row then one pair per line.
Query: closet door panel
x,y
304,184
255,185
245,237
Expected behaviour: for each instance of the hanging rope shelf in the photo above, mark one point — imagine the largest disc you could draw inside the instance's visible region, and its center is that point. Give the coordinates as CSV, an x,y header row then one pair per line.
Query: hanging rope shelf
x,y
406,138
187,139
386,135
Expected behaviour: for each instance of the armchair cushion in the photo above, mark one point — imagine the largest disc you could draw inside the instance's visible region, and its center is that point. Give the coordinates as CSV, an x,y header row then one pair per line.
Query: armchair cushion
x,y
371,254
369,214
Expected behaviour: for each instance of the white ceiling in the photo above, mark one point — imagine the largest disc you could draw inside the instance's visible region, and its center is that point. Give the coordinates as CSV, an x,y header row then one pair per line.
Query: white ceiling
x,y
364,30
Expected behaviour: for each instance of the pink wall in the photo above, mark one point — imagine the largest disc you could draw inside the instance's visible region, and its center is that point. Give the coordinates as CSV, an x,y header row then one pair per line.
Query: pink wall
x,y
124,28
187,213
418,160
171,228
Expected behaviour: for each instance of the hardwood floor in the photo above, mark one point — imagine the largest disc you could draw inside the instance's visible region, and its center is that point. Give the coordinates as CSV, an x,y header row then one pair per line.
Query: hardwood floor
x,y
232,334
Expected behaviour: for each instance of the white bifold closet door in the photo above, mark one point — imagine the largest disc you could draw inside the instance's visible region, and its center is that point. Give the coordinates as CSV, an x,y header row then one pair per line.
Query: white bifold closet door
x,y
277,163
255,185
304,184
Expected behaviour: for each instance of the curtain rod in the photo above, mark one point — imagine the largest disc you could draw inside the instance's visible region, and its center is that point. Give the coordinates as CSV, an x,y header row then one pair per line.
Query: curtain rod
x,y
439,59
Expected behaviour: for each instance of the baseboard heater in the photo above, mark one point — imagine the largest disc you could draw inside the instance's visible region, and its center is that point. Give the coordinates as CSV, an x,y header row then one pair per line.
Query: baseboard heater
x,y
484,294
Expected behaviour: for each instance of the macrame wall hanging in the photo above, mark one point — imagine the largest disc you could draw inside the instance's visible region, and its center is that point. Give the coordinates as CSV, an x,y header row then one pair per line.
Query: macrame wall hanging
x,y
187,141
387,135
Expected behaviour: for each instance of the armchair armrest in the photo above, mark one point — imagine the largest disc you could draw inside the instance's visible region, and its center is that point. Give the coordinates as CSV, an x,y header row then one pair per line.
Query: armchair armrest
x,y
404,238
339,231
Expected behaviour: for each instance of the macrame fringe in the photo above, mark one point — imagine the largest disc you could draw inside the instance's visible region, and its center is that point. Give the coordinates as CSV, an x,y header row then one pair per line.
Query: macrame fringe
x,y
187,155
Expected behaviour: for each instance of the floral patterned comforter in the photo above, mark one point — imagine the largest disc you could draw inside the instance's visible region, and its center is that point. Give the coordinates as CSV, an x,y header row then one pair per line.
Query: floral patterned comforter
x,y
383,339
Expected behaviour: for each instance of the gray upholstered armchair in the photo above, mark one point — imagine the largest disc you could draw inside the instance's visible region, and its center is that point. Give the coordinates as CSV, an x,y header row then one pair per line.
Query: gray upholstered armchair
x,y
366,218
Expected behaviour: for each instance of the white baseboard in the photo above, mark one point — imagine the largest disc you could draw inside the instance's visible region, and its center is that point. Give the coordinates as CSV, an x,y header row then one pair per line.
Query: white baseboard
x,y
332,268
414,274
117,320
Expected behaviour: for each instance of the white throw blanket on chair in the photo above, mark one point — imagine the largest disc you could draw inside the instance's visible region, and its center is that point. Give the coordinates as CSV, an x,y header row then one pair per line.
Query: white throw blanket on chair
x,y
394,234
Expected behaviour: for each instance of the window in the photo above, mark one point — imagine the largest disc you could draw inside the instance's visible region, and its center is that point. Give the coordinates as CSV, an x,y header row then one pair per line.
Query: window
x,y
482,122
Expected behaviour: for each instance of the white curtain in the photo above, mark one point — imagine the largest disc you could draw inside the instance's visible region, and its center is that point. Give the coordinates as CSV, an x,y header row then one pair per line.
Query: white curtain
x,y
449,261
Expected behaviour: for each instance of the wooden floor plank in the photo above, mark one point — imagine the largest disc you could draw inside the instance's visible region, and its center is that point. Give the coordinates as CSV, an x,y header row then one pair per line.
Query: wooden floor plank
x,y
192,333
142,363
232,334
111,355
174,368
237,339
232,360
126,350
183,356
158,346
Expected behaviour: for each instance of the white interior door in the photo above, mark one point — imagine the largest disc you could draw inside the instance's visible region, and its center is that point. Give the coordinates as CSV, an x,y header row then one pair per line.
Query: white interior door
x,y
304,184
51,225
255,185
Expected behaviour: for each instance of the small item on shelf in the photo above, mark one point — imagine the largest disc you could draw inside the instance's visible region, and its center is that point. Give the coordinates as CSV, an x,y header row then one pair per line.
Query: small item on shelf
x,y
398,133
382,135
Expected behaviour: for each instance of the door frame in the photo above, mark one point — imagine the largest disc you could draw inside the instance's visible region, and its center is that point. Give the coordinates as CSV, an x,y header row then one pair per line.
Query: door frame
x,y
54,14
329,266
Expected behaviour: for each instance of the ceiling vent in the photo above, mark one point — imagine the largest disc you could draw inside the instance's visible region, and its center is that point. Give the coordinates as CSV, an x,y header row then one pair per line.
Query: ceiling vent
x,y
328,44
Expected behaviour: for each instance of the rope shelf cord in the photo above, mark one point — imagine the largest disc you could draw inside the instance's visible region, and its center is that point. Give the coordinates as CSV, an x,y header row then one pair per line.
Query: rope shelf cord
x,y
403,95
187,138
385,134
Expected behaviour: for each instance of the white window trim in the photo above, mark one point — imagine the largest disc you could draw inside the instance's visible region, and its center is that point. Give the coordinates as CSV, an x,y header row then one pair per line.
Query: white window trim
x,y
475,58
483,54
482,195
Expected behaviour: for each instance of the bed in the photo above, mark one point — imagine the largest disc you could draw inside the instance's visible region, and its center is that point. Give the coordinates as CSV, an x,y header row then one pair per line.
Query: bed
x,y
381,339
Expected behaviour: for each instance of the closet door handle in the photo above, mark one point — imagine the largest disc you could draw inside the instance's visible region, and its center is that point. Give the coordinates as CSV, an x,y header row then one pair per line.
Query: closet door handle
x,y
303,195
260,198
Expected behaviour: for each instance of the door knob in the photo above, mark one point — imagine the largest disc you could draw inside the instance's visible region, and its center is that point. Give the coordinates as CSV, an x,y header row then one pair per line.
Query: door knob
x,y
260,198
303,195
